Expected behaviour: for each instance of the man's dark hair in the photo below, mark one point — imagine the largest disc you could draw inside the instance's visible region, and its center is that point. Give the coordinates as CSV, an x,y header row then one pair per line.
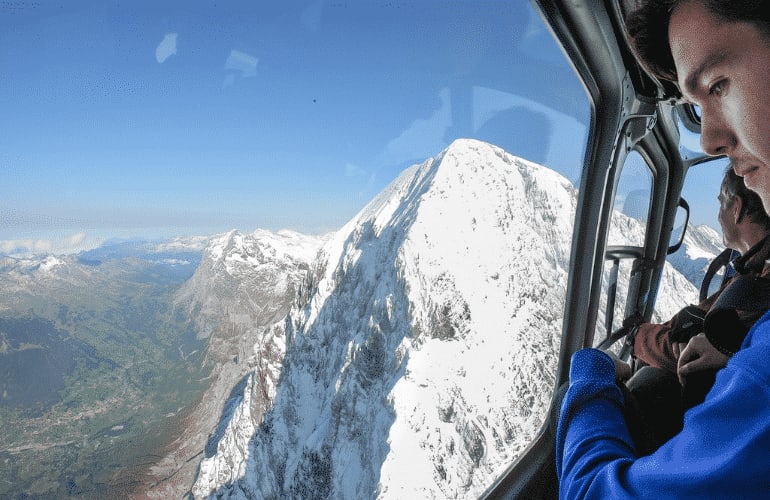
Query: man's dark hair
x,y
648,28
751,205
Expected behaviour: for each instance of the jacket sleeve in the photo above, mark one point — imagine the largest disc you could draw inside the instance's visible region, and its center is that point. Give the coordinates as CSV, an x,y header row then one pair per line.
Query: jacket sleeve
x,y
652,344
722,451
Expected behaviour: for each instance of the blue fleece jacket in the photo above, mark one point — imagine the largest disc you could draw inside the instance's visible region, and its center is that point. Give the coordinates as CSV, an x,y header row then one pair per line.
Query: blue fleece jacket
x,y
723,450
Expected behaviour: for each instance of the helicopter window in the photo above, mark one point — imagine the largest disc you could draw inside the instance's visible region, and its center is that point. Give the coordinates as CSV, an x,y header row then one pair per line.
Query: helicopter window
x,y
625,240
696,112
701,243
632,203
704,234
133,133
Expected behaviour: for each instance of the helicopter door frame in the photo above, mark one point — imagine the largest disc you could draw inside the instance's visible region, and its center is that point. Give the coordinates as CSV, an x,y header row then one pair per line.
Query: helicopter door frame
x,y
622,121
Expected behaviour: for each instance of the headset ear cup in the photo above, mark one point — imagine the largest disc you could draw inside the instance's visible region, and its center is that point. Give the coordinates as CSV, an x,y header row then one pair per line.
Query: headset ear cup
x,y
725,330
687,324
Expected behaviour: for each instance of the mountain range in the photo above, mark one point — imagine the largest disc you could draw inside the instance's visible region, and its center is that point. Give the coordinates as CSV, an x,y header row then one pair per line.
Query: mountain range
x,y
410,354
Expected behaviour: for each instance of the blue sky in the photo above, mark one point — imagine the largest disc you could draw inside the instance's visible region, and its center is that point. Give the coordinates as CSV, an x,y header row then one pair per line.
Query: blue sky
x,y
148,119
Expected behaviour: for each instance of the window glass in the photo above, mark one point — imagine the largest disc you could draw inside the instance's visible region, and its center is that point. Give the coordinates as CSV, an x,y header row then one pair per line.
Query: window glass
x,y
632,203
322,243
703,239
628,227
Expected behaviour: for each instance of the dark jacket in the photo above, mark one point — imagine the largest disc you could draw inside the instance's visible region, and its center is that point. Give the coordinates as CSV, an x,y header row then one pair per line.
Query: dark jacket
x,y
653,342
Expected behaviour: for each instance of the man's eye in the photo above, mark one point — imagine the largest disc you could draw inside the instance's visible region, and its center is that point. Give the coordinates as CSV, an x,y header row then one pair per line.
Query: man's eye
x,y
718,88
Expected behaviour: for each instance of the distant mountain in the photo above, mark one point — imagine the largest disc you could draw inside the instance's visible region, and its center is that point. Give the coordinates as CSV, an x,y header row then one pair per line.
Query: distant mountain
x,y
701,244
245,283
248,278
178,251
418,357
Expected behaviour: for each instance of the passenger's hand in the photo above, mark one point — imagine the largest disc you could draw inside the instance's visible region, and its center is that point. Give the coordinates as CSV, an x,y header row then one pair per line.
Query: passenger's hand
x,y
622,369
699,355
677,348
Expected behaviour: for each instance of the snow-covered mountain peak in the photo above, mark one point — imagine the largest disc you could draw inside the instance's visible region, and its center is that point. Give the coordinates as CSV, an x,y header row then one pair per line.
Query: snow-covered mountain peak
x,y
469,181
50,262
460,168
252,277
421,350
445,279
236,251
703,242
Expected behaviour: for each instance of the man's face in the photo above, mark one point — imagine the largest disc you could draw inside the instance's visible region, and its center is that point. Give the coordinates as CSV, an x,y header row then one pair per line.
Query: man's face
x,y
723,68
727,219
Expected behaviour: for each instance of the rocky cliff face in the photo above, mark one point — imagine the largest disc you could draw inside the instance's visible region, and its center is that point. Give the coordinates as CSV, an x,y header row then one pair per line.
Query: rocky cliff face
x,y
420,352
244,284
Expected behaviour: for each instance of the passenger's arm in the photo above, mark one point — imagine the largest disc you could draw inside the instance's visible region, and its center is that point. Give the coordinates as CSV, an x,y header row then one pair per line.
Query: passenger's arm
x,y
592,434
721,452
652,344
656,344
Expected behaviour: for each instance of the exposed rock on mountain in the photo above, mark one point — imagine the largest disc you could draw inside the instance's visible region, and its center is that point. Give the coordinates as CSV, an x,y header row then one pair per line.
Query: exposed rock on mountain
x,y
244,284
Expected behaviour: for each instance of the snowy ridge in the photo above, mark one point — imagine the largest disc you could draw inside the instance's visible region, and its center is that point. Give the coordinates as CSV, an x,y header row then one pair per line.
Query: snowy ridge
x,y
701,244
234,248
702,241
244,284
420,354
253,275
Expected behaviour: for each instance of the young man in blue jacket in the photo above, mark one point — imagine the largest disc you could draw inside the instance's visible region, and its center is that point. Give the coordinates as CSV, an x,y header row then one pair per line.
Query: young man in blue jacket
x,y
718,53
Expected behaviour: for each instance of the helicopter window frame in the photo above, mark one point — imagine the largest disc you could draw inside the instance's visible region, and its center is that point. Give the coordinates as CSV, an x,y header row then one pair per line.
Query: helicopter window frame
x,y
626,240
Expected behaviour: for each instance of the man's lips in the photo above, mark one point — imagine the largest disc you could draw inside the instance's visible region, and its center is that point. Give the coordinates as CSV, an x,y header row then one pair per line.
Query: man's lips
x,y
744,170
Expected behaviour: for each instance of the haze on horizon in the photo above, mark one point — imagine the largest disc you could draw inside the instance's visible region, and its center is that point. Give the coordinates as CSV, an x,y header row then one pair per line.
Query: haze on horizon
x,y
177,119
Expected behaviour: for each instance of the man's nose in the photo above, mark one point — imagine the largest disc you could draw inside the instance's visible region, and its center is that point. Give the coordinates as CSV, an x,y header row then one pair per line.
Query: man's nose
x,y
716,138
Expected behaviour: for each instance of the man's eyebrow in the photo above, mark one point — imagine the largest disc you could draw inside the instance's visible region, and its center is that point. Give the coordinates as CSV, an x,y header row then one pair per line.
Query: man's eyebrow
x,y
691,83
